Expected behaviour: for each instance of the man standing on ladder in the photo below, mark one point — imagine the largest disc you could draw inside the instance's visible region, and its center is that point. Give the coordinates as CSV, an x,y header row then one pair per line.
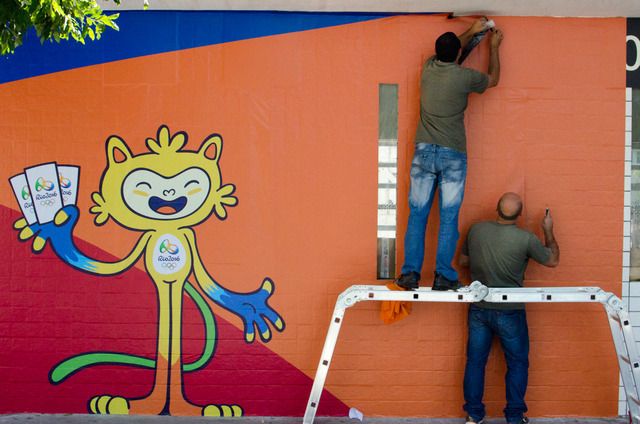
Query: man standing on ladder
x,y
440,158
498,253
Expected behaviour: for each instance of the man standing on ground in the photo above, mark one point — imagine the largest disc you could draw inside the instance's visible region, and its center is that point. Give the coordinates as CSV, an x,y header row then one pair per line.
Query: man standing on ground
x,y
498,253
440,158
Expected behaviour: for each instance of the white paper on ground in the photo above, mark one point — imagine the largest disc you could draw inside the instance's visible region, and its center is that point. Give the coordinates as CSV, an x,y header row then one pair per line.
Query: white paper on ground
x,y
354,413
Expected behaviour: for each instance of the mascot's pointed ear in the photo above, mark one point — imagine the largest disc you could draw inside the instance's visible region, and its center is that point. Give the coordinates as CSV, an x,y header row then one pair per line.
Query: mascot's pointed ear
x,y
212,147
117,150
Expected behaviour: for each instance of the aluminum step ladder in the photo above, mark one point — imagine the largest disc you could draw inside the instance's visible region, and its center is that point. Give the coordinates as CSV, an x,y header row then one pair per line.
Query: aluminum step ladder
x,y
621,329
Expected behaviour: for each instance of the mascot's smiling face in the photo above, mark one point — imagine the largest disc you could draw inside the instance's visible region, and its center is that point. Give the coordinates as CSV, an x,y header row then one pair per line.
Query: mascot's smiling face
x,y
166,187
149,194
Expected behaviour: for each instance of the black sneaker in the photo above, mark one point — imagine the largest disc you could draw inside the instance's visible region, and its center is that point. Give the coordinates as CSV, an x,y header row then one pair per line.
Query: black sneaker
x,y
472,421
409,280
524,420
442,284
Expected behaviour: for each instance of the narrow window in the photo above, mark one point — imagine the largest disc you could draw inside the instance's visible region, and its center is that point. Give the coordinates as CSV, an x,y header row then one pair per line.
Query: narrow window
x,y
387,179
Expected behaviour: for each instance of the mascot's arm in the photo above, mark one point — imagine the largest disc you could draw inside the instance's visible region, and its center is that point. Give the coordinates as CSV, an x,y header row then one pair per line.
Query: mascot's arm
x,y
253,308
59,233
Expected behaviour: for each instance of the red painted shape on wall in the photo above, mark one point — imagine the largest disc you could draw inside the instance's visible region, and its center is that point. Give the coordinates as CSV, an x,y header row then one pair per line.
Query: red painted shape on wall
x,y
51,312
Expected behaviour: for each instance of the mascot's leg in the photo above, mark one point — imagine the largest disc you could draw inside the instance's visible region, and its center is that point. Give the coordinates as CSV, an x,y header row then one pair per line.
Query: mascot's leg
x,y
178,404
155,402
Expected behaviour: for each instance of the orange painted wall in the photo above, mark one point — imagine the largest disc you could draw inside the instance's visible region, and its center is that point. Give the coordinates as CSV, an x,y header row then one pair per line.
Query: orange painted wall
x,y
299,117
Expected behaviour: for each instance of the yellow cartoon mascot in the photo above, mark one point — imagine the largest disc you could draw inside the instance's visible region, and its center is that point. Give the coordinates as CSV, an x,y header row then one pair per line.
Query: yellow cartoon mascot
x,y
161,194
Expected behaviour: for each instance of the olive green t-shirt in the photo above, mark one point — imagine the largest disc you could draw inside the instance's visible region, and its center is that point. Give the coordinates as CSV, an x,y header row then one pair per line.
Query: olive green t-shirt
x,y
445,88
499,255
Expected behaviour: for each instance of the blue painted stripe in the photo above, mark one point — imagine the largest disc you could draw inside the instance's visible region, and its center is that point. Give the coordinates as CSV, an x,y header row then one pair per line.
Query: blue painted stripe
x,y
150,32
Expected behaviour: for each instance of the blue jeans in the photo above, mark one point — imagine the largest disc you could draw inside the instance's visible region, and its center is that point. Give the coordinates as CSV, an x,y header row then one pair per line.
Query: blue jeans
x,y
434,166
511,328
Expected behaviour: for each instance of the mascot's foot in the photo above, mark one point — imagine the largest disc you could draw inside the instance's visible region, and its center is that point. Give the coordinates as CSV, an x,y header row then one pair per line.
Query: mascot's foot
x,y
107,404
222,411
117,405
184,408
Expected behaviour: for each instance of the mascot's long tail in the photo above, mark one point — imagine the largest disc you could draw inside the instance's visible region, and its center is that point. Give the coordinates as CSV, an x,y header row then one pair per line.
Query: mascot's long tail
x,y
65,369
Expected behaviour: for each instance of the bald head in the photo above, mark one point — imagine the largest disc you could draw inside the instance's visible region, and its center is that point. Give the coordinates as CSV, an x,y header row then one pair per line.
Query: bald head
x,y
509,207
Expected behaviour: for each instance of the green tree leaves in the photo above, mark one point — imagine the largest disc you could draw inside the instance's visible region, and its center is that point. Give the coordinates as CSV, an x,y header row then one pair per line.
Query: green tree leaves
x,y
53,20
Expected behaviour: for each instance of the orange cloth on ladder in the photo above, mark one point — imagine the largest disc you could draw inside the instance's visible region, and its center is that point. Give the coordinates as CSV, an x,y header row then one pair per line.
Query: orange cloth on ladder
x,y
394,310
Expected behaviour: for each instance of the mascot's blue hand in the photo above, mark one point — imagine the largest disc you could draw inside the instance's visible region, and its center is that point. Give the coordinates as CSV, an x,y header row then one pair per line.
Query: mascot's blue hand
x,y
255,311
57,232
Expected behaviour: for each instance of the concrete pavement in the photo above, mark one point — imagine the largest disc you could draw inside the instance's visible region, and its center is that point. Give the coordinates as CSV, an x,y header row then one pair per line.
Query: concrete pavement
x,y
148,419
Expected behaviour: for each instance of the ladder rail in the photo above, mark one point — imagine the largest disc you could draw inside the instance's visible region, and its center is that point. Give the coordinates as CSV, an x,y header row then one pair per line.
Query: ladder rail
x,y
355,294
628,369
546,294
325,361
627,352
621,329
620,326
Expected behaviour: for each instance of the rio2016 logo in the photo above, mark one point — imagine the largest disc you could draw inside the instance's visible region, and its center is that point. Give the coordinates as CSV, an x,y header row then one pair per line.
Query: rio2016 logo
x,y
170,255
64,182
167,247
25,193
42,184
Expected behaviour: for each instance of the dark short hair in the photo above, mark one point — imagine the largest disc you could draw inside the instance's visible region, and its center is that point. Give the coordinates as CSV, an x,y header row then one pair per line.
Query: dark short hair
x,y
447,47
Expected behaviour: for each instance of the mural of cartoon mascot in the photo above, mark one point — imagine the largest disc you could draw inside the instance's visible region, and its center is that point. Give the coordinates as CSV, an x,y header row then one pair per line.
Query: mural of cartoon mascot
x,y
161,194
